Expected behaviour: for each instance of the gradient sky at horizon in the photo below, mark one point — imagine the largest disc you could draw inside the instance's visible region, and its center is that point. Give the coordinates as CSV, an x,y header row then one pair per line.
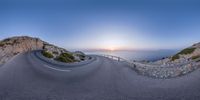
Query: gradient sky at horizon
x,y
104,24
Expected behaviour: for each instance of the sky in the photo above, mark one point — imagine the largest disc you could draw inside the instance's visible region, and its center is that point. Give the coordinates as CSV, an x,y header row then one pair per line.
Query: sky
x,y
104,24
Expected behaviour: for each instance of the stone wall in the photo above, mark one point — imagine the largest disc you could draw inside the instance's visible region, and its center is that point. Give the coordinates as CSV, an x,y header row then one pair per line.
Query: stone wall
x,y
165,71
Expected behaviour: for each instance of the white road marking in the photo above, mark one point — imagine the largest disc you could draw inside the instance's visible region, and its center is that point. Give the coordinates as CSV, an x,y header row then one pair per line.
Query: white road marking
x,y
66,70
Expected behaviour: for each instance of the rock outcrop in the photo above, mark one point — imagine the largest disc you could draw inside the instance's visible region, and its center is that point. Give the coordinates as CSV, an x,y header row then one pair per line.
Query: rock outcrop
x,y
12,46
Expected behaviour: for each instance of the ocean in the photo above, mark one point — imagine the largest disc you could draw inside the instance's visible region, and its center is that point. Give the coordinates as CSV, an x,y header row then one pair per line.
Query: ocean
x,y
148,55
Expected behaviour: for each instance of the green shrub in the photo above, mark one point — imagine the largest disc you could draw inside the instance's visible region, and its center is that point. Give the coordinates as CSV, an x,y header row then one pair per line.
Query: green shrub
x,y
47,54
175,57
187,51
62,59
66,57
54,52
1,44
195,57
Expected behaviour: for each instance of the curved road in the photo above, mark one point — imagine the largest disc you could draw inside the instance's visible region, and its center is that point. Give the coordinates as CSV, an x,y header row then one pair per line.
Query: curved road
x,y
27,78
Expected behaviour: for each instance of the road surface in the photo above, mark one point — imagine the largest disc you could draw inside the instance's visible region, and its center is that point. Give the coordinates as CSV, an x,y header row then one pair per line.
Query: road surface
x,y
27,78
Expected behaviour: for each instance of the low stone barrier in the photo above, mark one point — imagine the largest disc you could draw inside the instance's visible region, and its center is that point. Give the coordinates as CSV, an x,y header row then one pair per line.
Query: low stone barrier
x,y
167,72
163,72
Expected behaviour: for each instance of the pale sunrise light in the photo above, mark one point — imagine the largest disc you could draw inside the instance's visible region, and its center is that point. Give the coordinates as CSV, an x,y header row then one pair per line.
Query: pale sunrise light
x,y
111,37
110,49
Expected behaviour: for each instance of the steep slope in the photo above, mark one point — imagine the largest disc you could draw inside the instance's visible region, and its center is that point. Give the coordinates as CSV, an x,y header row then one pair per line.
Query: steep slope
x,y
12,46
190,53
182,63
187,54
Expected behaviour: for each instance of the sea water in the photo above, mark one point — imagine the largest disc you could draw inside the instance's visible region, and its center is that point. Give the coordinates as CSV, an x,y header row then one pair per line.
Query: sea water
x,y
139,55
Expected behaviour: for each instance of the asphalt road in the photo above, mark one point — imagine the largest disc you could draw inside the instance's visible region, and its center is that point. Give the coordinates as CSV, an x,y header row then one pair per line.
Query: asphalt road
x,y
27,78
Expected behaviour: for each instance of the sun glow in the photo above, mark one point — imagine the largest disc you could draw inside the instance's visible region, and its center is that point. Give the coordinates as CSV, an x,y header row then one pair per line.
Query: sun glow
x,y
112,38
111,45
111,49
114,48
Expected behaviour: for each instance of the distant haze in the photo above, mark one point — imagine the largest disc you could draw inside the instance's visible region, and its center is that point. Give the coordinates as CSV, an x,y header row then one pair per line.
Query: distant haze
x,y
104,24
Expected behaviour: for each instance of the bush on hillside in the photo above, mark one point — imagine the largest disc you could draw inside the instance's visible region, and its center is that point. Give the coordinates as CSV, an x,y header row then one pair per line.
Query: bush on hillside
x,y
195,57
47,54
1,44
55,52
183,52
62,59
187,51
66,57
175,57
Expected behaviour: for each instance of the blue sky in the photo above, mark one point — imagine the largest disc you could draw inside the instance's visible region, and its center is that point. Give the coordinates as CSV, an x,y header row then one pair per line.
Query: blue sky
x,y
104,24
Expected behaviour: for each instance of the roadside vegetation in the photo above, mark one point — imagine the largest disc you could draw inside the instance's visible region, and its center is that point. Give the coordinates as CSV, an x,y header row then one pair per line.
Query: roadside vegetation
x,y
195,57
175,57
183,52
47,54
8,42
1,44
187,51
66,57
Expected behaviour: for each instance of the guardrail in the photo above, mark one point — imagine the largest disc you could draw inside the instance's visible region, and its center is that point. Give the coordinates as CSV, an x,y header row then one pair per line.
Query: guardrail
x,y
113,57
130,63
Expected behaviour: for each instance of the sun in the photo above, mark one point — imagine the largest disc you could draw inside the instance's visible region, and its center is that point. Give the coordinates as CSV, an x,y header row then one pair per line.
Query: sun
x,y
111,49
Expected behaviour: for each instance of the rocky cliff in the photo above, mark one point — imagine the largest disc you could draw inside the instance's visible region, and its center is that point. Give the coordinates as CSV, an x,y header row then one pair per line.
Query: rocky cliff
x,y
12,46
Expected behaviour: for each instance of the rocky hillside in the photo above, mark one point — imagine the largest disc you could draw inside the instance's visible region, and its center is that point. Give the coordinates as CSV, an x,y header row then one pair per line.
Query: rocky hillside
x,y
12,46
187,54
185,61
